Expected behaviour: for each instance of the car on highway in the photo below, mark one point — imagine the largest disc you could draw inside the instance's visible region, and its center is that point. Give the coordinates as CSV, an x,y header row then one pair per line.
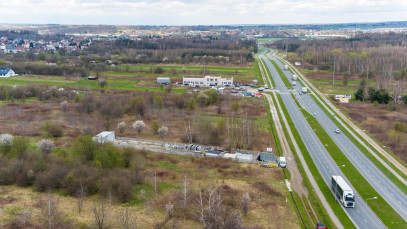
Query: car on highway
x,y
337,131
320,226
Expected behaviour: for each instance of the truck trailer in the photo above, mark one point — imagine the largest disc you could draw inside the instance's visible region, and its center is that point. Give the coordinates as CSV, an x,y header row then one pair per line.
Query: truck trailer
x,y
343,191
304,89
285,67
294,77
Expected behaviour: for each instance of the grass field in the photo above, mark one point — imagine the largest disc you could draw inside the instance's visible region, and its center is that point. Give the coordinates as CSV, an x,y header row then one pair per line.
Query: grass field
x,y
83,83
325,86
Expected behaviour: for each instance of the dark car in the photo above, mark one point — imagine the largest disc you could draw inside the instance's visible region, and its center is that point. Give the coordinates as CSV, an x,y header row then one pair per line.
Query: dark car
x,y
321,226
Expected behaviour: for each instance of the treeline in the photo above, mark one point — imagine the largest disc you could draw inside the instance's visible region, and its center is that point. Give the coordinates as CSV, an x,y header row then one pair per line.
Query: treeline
x,y
57,70
174,50
365,55
8,93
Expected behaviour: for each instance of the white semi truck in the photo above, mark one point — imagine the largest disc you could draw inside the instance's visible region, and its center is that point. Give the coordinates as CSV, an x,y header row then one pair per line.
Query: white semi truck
x,y
343,191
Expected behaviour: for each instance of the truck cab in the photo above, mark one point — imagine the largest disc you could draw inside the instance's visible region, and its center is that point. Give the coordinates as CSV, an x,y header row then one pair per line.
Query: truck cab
x,y
282,162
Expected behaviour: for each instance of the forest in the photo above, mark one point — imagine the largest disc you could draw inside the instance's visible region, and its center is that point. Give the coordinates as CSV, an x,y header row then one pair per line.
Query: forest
x,y
379,57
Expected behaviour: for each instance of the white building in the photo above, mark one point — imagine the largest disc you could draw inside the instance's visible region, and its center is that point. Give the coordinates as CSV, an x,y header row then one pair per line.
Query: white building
x,y
207,81
7,72
104,137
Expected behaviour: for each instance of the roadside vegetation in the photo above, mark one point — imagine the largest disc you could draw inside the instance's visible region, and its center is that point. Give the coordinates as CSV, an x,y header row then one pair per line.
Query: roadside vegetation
x,y
83,182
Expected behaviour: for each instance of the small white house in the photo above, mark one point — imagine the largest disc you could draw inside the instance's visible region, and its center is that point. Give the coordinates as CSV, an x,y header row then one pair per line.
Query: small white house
x,y
104,137
7,72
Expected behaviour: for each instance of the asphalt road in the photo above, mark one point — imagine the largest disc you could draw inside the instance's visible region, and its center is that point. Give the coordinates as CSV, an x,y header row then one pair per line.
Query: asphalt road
x,y
361,215
379,181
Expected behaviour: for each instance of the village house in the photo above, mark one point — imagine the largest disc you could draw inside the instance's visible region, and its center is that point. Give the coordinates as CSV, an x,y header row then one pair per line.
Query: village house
x,y
7,72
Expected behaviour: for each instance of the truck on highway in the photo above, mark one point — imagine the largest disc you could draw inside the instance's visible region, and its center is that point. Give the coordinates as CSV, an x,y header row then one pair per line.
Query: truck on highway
x,y
282,162
304,89
343,191
294,83
285,67
294,77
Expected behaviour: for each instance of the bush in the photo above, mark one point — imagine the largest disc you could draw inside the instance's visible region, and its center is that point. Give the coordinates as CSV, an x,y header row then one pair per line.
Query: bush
x,y
121,126
85,147
138,126
191,104
6,141
163,131
52,130
202,99
155,126
46,146
119,183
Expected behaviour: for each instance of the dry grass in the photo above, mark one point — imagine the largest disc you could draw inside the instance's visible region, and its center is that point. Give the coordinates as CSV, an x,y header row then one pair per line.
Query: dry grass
x,y
268,208
378,121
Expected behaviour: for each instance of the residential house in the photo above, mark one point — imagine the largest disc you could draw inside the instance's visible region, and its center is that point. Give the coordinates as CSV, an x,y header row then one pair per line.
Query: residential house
x,y
7,72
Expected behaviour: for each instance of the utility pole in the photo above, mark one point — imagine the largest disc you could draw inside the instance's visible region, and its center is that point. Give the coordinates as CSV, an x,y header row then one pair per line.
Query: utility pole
x,y
333,75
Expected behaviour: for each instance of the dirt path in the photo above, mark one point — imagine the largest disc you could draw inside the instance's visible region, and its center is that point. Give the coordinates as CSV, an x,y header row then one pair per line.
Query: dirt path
x,y
296,177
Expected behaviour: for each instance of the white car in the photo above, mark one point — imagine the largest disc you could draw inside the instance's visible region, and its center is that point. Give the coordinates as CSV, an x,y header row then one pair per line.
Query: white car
x,y
337,131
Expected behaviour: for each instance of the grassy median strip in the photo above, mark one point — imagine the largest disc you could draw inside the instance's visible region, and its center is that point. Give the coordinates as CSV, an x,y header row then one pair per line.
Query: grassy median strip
x,y
313,198
282,75
273,84
376,162
382,209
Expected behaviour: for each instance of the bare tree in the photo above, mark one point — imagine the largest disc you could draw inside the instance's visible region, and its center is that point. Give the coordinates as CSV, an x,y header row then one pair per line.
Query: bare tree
x,y
108,111
80,196
216,214
155,184
125,219
100,213
49,213
188,131
246,202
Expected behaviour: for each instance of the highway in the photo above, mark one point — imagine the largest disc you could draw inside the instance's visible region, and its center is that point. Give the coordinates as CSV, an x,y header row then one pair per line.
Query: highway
x,y
361,215
379,181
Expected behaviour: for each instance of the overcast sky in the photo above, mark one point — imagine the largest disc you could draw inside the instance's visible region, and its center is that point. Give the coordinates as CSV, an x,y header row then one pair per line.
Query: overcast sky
x,y
202,12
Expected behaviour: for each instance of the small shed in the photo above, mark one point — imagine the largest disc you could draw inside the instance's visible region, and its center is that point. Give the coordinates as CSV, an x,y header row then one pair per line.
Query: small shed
x,y
104,137
267,157
163,80
245,158
92,77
